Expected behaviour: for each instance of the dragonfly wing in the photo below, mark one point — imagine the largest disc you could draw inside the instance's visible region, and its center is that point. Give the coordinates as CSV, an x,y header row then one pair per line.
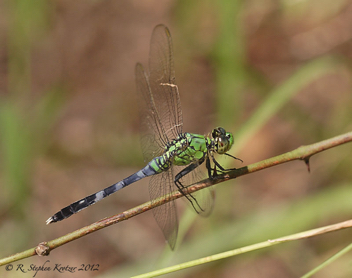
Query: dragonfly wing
x,y
165,95
159,100
165,215
153,136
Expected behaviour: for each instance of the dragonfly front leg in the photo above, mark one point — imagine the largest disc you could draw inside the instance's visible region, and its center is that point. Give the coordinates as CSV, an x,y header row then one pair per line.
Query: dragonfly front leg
x,y
217,164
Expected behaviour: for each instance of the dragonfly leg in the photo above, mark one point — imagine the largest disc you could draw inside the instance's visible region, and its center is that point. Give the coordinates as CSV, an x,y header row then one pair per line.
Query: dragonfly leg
x,y
217,164
234,157
211,171
180,186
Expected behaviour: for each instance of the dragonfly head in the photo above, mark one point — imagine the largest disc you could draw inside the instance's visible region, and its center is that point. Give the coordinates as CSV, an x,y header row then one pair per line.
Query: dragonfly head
x,y
223,140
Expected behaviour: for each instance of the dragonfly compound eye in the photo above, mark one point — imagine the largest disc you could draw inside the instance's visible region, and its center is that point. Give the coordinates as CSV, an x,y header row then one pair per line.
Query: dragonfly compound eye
x,y
224,142
218,132
221,130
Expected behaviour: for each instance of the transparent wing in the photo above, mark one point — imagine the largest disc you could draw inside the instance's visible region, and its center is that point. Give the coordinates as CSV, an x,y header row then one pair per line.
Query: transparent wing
x,y
161,118
165,215
153,136
159,101
162,82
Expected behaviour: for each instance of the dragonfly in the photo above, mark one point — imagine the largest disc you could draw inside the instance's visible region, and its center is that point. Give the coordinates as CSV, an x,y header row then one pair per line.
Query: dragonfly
x,y
172,155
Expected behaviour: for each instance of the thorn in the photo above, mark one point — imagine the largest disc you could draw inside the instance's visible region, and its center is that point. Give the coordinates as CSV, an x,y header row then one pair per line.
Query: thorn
x,y
306,160
42,249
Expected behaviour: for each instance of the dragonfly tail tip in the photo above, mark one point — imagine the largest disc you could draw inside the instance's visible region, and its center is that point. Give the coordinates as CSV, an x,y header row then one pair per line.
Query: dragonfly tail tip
x,y
50,220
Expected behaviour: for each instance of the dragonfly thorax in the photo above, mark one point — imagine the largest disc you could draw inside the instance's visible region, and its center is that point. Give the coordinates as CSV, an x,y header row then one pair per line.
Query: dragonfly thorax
x,y
186,148
222,141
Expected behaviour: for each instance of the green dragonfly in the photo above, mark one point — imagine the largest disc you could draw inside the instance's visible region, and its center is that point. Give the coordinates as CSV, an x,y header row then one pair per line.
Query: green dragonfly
x,y
165,146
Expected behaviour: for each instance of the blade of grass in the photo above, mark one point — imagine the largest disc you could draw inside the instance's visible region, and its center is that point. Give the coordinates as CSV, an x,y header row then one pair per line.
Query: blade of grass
x,y
328,261
249,248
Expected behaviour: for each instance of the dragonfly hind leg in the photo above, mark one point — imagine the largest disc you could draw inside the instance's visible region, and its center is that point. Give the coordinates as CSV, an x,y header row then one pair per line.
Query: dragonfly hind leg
x,y
180,186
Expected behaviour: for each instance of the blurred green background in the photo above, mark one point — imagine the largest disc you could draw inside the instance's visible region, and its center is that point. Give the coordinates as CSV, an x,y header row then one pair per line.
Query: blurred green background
x,y
275,73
